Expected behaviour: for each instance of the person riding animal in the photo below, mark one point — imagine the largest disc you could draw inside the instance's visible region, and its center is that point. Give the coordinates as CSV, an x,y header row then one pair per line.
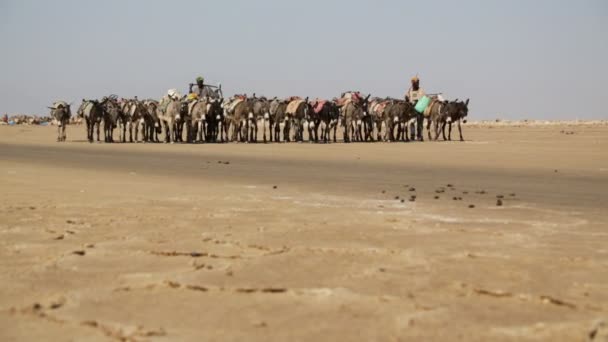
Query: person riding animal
x,y
202,90
414,94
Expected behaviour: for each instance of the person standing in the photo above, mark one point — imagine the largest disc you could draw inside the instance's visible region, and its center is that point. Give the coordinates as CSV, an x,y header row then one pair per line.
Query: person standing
x,y
413,95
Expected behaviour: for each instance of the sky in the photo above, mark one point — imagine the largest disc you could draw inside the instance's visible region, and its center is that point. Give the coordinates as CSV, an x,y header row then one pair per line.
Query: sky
x,y
518,59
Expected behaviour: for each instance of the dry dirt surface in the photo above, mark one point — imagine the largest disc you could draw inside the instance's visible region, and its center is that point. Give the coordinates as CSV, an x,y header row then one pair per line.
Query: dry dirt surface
x,y
502,237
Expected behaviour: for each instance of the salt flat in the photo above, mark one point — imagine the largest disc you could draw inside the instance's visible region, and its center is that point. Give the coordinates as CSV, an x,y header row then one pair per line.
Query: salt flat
x,y
305,241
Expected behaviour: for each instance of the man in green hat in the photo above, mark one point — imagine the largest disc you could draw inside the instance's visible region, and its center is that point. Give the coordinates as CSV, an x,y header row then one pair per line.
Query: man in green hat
x,y
202,89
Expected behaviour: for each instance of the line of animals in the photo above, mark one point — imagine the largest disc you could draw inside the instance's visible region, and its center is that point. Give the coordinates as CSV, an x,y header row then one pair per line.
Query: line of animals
x,y
238,118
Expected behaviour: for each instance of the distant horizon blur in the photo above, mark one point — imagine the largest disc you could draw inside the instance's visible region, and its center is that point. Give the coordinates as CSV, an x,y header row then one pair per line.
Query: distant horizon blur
x,y
515,60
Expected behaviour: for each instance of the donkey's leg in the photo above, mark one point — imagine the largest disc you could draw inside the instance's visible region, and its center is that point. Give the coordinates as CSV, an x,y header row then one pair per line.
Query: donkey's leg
x,y
266,122
460,131
450,131
286,128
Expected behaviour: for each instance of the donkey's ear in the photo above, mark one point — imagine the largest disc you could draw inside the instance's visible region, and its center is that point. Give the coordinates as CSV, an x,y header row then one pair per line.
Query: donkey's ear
x,y
466,103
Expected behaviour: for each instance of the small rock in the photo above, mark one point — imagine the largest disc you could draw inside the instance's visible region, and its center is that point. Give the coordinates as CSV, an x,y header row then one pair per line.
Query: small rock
x,y
499,202
412,189
81,253
471,206
261,324
274,187
436,197
396,197
450,185
455,198
70,222
402,200
383,191
500,196
512,194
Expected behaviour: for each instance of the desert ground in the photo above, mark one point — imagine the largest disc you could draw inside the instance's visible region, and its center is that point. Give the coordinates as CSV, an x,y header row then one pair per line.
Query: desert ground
x,y
254,242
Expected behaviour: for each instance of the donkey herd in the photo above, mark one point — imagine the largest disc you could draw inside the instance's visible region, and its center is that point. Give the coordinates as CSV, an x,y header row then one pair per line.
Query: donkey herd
x,y
238,118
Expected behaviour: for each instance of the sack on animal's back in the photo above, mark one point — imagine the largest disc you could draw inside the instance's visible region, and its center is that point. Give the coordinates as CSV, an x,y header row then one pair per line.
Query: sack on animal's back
x,y
232,105
318,107
163,104
292,107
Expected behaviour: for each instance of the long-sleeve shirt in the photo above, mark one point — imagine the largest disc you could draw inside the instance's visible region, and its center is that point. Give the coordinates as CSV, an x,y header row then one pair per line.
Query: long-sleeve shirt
x,y
204,92
415,95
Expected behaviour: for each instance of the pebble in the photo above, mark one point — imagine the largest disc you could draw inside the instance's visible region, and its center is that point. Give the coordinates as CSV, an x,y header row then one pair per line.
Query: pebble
x,y
471,206
499,202
81,253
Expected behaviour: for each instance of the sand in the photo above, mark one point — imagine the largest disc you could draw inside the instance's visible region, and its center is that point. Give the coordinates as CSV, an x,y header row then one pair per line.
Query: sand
x,y
386,242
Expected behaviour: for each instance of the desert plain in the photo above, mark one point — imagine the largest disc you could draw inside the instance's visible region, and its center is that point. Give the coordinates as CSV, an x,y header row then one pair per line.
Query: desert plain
x,y
501,237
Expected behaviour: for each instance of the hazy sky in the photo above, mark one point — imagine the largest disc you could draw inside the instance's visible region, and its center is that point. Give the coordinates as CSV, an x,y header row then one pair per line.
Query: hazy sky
x,y
514,59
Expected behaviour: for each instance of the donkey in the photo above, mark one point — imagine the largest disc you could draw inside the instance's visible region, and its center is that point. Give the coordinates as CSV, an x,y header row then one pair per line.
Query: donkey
x,y
277,112
353,112
61,112
238,112
315,121
398,114
111,112
213,119
197,116
456,111
329,116
300,113
377,112
170,112
92,113
151,121
261,111
435,115
131,117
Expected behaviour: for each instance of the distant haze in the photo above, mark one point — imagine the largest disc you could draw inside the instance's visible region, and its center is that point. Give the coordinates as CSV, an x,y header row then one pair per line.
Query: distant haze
x,y
513,59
